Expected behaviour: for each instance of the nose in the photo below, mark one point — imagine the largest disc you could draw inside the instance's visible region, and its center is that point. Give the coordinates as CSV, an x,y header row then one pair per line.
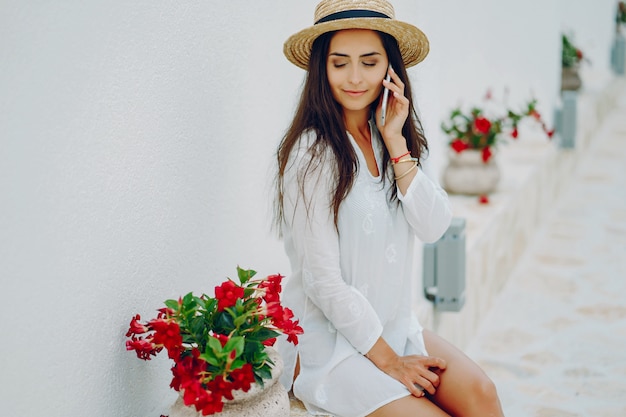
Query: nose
x,y
355,75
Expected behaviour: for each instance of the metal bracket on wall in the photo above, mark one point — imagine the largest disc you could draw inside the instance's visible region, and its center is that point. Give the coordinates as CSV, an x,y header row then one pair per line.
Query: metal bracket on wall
x,y
444,268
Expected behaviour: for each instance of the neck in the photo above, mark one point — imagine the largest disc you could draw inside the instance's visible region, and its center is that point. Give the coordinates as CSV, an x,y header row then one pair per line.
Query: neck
x,y
357,123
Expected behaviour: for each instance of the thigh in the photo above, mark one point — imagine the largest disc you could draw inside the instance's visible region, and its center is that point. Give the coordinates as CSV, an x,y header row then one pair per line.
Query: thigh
x,y
463,384
410,406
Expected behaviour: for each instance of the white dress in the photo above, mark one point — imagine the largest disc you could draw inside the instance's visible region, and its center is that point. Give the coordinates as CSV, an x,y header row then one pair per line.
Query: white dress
x,y
348,289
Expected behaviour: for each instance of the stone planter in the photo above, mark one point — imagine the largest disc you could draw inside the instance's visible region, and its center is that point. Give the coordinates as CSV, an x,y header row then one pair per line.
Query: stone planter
x,y
570,80
270,401
466,173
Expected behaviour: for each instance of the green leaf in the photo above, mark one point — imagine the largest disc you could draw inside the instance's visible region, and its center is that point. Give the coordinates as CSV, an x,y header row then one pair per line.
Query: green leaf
x,y
224,321
238,320
211,359
215,345
197,325
189,300
238,363
262,334
264,372
172,304
210,304
235,343
259,380
245,274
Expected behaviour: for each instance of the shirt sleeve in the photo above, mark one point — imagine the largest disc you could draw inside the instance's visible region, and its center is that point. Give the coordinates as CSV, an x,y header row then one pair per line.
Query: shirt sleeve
x,y
426,207
309,217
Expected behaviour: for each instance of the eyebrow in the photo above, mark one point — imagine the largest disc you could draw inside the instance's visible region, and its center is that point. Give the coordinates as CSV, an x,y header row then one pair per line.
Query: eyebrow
x,y
348,56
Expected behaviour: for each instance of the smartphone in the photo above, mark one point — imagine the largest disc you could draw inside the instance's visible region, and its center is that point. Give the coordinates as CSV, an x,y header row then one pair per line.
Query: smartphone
x,y
385,100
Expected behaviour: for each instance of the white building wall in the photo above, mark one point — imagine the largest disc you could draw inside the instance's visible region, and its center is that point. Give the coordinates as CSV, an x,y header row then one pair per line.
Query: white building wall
x,y
136,146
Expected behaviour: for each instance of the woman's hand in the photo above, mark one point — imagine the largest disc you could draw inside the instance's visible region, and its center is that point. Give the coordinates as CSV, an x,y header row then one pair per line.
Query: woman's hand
x,y
397,112
409,370
417,372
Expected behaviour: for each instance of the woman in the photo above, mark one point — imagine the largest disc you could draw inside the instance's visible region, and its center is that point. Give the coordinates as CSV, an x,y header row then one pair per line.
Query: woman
x,y
351,198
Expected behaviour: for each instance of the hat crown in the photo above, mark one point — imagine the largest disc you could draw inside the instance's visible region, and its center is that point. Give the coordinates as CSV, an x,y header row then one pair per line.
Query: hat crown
x,y
329,7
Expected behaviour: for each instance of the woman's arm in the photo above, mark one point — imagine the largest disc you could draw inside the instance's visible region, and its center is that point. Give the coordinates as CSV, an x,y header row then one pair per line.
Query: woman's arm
x,y
425,204
426,208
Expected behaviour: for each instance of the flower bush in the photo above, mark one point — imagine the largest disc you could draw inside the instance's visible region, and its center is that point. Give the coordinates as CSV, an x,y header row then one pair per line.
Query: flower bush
x,y
217,343
476,130
570,54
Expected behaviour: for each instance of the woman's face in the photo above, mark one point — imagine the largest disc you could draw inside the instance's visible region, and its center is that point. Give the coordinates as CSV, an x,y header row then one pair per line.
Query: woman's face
x,y
356,65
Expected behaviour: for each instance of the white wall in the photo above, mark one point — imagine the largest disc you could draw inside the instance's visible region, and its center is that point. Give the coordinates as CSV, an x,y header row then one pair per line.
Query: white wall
x,y
136,140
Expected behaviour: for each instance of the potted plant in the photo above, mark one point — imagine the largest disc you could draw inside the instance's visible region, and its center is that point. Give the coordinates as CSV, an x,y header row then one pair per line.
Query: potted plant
x,y
473,137
221,346
620,16
571,56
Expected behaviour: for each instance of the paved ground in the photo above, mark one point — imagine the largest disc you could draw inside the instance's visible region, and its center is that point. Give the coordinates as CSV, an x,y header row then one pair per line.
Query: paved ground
x,y
555,340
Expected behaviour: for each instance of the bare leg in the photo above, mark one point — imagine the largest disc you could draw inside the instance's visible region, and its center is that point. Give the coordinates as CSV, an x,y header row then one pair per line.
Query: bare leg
x,y
409,407
465,390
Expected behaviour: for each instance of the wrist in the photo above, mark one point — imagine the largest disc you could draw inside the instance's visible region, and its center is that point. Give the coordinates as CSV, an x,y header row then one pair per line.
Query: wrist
x,y
397,148
382,355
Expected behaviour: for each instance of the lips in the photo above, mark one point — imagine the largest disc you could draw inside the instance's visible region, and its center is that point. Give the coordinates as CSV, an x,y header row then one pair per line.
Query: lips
x,y
354,93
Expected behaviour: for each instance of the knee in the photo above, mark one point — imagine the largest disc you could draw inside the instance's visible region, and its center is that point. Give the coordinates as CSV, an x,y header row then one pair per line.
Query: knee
x,y
484,391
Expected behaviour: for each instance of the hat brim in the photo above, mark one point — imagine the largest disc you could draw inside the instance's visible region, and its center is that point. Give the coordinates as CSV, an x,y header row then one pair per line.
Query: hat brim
x,y
413,42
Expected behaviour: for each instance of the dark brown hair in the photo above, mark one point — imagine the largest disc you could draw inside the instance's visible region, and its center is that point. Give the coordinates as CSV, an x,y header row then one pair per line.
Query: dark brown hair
x,y
320,113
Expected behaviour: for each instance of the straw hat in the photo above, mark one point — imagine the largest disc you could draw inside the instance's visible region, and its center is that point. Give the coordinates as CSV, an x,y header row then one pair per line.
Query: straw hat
x,y
331,15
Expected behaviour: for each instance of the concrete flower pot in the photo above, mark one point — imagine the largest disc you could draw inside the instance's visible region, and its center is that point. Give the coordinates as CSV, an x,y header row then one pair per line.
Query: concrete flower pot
x,y
466,173
570,80
271,400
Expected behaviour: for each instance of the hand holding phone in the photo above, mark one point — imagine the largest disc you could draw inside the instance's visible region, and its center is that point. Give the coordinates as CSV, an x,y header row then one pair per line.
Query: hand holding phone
x,y
385,99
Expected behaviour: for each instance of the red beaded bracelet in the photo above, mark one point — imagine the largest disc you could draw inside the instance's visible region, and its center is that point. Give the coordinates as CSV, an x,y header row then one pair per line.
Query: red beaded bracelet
x,y
396,160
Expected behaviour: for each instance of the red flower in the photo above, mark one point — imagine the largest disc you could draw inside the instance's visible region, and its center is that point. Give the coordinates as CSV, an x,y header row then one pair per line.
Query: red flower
x,y
222,387
483,199
486,154
227,295
243,377
136,327
167,334
459,146
282,319
514,133
482,125
144,348
550,133
187,371
579,54
272,288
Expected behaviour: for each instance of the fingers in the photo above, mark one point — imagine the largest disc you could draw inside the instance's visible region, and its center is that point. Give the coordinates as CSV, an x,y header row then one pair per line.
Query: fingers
x,y
395,85
429,381
420,374
415,389
434,362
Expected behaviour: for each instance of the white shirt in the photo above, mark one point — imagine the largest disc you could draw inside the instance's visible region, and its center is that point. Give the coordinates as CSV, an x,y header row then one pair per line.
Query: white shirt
x,y
350,288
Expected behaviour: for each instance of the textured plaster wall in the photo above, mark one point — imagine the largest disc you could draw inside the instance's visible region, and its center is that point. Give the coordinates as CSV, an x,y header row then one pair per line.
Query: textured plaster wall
x,y
136,140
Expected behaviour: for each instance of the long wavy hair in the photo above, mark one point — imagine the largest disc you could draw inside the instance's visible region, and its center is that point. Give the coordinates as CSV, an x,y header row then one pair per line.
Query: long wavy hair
x,y
318,112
